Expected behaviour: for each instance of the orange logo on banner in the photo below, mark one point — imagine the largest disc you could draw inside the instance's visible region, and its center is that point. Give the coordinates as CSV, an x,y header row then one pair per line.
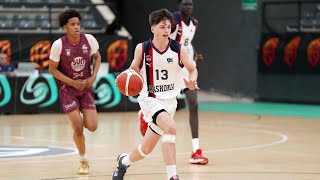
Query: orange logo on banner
x,y
269,50
313,52
117,54
291,51
39,54
5,48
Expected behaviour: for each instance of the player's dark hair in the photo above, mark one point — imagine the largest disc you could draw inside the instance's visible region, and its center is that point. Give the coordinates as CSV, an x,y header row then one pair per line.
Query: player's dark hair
x,y
159,15
68,14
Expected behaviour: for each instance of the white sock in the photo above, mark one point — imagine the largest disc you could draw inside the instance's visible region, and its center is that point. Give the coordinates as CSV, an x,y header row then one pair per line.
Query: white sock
x,y
126,160
171,170
83,156
195,144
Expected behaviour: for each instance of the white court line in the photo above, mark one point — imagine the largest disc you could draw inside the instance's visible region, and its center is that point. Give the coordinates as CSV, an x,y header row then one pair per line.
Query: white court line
x,y
282,138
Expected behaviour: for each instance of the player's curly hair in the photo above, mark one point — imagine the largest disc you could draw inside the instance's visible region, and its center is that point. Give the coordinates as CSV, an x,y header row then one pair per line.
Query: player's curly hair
x,y
66,15
159,15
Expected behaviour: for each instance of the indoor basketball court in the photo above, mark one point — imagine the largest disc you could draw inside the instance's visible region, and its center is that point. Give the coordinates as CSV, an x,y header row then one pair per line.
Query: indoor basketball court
x,y
240,146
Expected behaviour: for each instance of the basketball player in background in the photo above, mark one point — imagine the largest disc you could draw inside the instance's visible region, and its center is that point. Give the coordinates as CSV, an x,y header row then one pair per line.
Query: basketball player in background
x,y
160,61
70,64
184,32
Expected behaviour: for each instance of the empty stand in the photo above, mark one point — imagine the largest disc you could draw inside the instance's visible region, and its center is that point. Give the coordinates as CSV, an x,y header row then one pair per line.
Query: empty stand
x,y
40,16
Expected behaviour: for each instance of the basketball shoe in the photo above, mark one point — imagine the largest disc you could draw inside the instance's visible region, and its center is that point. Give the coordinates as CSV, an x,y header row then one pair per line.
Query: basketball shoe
x,y
121,169
143,123
197,158
83,167
175,177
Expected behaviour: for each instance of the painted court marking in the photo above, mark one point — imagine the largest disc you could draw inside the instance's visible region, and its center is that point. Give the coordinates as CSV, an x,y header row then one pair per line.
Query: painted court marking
x,y
282,138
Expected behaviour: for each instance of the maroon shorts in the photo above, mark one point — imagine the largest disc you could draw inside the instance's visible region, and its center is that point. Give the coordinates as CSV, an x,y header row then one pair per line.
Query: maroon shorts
x,y
72,98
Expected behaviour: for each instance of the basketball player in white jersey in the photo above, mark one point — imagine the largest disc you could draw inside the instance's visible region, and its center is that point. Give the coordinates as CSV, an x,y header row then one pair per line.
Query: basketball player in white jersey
x,y
160,61
184,32
185,29
69,63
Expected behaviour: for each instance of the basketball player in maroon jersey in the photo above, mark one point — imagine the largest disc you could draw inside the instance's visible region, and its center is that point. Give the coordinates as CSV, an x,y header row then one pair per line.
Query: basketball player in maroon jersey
x,y
70,64
184,32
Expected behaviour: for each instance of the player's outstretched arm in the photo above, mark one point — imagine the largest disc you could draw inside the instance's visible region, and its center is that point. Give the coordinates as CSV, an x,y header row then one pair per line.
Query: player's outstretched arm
x,y
190,65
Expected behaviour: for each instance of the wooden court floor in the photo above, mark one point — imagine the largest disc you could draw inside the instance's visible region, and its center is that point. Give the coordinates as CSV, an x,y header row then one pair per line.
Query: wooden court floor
x,y
239,147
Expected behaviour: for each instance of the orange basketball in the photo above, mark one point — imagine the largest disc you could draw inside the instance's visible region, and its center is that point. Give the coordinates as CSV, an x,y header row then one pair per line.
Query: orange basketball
x,y
129,82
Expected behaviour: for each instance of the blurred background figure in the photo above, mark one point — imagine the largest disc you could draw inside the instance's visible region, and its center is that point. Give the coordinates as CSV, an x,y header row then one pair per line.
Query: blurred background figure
x,y
5,67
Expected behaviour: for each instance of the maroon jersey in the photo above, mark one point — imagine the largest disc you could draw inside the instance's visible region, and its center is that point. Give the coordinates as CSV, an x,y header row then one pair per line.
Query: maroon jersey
x,y
75,59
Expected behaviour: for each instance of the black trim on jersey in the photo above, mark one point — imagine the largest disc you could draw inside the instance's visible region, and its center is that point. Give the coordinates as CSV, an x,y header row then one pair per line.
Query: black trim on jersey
x,y
178,20
156,49
148,53
176,47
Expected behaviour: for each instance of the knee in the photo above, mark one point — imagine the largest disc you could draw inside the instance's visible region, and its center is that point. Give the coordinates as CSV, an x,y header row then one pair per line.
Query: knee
x,y
144,151
92,127
78,130
172,129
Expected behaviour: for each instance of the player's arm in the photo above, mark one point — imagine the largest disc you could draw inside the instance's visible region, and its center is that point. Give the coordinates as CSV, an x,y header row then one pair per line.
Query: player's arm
x,y
96,59
197,56
96,65
190,65
137,60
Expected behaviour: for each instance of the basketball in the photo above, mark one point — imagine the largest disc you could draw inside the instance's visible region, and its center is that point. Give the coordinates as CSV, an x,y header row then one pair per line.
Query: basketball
x,y
129,83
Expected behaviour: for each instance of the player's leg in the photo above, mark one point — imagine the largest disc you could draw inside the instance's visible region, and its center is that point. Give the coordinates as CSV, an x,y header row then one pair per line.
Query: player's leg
x,y
192,100
90,116
124,160
90,119
79,139
150,140
167,124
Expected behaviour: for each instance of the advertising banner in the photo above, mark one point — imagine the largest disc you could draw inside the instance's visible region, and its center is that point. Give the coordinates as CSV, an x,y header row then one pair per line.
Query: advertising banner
x,y
39,94
35,48
289,54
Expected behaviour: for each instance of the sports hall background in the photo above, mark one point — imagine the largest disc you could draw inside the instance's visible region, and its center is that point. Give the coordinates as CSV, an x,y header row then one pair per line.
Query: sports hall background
x,y
261,54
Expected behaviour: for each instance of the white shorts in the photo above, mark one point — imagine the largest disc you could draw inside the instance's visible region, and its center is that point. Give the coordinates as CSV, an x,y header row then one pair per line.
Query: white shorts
x,y
149,106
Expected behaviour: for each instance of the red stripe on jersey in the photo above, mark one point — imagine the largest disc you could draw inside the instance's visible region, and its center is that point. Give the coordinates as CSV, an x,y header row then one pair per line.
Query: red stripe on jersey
x,y
179,33
179,57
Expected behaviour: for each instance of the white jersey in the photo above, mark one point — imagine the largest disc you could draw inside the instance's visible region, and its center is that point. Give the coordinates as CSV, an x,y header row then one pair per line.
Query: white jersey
x,y
161,71
185,32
